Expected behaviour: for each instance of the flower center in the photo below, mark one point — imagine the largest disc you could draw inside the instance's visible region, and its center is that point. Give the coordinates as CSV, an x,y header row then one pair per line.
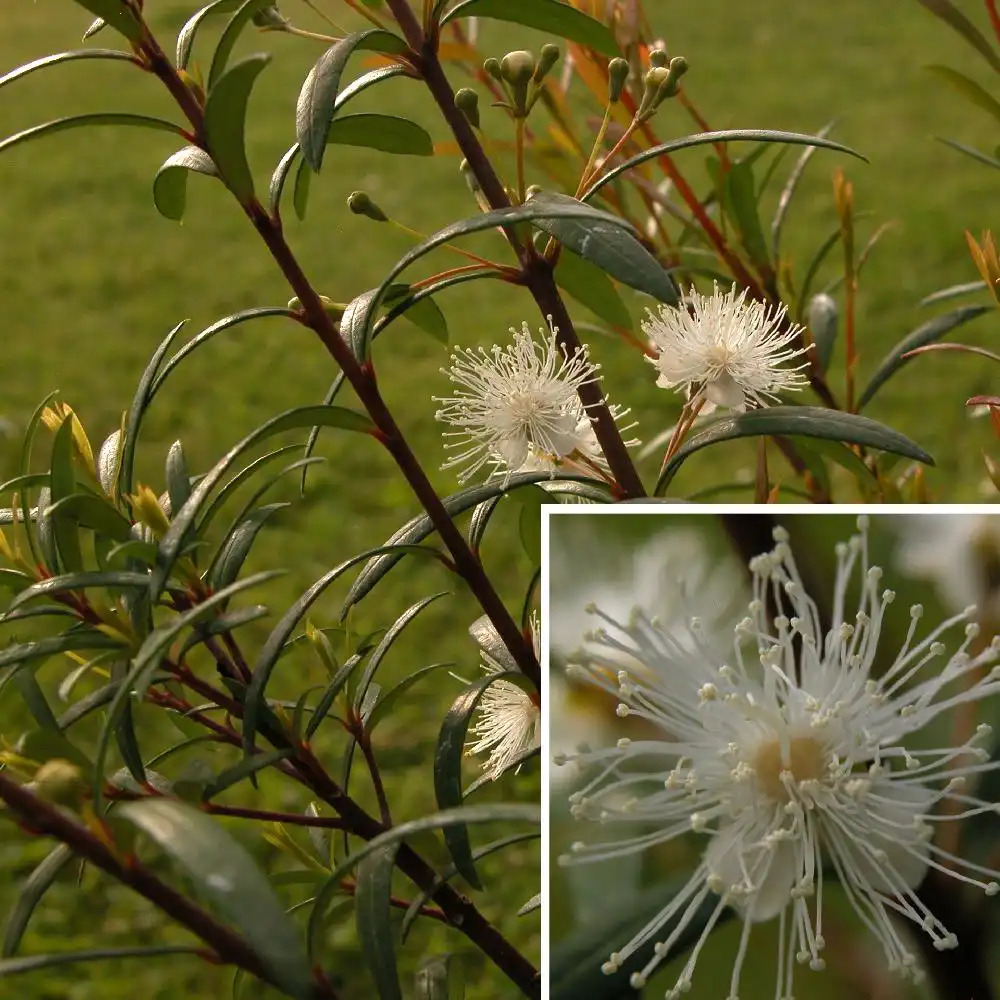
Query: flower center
x,y
804,761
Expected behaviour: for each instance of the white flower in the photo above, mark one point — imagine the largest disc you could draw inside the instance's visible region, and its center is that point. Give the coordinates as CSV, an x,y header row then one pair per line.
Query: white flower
x,y
788,765
517,409
960,553
724,351
509,722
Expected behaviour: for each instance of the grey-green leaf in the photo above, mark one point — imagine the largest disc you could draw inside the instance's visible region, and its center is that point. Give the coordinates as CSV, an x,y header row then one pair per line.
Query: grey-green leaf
x,y
788,421
116,15
926,333
83,121
387,133
225,124
62,57
227,876
170,182
372,896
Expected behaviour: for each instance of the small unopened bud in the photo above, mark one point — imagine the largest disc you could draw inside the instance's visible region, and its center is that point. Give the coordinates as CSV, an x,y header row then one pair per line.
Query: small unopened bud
x,y
272,18
492,66
470,177
658,58
677,68
548,57
532,190
823,315
467,101
59,781
617,75
360,204
517,68
149,511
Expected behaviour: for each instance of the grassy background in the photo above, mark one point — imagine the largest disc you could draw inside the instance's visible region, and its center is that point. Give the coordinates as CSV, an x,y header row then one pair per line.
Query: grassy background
x,y
91,278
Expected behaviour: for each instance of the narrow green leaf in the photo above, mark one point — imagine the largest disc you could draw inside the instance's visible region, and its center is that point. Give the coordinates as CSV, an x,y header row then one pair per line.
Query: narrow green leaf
x,y
113,579
225,124
742,193
990,161
710,138
227,876
34,699
32,963
591,287
317,102
237,546
387,133
34,888
612,247
954,18
62,480
91,511
137,410
230,34
372,896
807,421
546,15
791,186
226,323
300,189
116,15
243,769
423,312
177,477
62,57
448,756
271,650
170,182
186,37
291,157
969,89
84,121
433,980
385,703
303,416
926,333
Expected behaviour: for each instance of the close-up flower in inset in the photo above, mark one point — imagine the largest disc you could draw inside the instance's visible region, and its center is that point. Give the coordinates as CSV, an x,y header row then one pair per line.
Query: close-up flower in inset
x,y
793,760
723,350
517,409
509,721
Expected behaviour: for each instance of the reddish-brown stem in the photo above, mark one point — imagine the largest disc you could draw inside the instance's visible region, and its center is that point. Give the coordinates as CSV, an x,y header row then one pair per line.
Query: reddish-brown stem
x,y
46,818
363,382
267,816
363,738
537,272
991,9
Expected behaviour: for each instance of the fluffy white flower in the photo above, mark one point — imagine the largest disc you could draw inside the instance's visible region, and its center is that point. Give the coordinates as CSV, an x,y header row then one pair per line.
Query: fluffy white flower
x,y
723,350
517,409
960,553
509,721
789,764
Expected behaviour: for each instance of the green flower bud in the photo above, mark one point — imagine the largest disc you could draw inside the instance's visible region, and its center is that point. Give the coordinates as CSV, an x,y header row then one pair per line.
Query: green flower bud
x,y
678,67
492,66
467,101
470,177
271,17
517,68
548,58
360,204
823,317
59,781
618,70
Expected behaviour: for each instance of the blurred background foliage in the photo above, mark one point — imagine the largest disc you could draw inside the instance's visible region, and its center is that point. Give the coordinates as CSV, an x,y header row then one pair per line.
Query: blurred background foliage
x,y
91,277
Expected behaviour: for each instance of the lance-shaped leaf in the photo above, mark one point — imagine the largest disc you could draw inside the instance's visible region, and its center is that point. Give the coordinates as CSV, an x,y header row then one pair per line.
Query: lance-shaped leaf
x,y
710,138
387,133
926,333
789,421
187,34
372,896
552,16
225,124
612,246
85,121
317,101
62,57
113,579
32,963
448,767
34,888
42,649
230,34
229,879
116,15
170,182
955,19
969,89
591,287
91,511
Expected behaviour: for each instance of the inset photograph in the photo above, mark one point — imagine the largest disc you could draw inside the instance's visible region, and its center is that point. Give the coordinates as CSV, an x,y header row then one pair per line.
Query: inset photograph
x,y
773,760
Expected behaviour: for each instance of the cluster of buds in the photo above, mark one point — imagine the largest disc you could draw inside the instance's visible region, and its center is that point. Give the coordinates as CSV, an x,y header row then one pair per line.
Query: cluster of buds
x,y
520,75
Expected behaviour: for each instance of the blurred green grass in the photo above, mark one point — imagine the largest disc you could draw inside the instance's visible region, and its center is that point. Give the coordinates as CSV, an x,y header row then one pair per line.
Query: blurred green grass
x,y
91,278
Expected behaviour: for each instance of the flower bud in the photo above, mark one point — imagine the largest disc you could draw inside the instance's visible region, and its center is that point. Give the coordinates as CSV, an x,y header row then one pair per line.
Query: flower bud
x,y
109,462
470,177
59,781
547,59
823,316
150,512
492,66
617,75
271,17
360,204
467,101
658,58
517,68
677,68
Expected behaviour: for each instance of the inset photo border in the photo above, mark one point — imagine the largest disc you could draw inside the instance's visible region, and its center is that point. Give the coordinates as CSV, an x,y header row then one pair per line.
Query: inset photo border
x,y
769,755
